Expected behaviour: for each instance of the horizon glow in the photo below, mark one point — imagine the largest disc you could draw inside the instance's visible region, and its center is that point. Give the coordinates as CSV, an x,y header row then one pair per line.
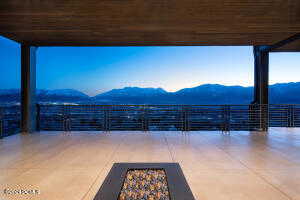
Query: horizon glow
x,y
94,70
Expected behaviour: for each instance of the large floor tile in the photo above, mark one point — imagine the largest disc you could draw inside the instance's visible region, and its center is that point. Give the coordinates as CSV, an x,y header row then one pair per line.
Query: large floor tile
x,y
230,185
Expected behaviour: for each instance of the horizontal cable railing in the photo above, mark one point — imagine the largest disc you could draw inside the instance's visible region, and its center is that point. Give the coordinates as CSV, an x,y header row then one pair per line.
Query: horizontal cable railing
x,y
152,117
9,120
284,115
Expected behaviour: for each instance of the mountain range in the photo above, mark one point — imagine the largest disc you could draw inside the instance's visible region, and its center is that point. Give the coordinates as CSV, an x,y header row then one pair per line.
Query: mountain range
x,y
204,94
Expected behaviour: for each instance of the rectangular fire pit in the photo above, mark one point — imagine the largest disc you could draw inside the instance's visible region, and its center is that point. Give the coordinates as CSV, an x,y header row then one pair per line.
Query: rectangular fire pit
x,y
154,181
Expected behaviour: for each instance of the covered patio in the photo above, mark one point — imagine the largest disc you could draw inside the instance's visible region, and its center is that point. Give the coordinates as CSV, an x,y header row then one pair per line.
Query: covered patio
x,y
240,165
268,26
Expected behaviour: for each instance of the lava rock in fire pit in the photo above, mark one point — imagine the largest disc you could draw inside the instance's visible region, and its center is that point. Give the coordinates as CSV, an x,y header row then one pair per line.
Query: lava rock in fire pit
x,y
146,184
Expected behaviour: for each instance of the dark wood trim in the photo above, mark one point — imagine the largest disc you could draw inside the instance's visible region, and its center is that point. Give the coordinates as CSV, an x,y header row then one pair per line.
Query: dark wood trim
x,y
282,43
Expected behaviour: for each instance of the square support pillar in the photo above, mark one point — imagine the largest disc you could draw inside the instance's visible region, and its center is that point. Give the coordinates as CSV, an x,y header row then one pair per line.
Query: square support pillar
x,y
28,89
261,76
261,84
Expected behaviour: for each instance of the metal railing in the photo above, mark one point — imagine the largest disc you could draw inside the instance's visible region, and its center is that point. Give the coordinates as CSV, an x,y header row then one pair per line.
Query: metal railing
x,y
153,117
9,120
284,115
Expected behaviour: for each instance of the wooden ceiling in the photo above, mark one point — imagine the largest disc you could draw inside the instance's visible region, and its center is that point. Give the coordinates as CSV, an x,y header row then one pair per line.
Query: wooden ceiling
x,y
150,22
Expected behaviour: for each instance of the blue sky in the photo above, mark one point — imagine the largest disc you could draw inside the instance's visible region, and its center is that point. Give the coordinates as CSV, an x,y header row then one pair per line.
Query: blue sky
x,y
97,69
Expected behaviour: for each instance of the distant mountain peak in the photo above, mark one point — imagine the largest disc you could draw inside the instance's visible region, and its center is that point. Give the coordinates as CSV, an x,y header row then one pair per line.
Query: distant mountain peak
x,y
65,92
133,91
62,95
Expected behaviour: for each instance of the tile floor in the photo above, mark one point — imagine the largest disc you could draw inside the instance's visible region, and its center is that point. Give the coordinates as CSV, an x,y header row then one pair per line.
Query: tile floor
x,y
217,166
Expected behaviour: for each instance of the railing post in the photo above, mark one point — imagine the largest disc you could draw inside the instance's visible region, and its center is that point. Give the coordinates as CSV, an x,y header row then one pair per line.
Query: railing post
x,y
38,115
1,124
226,118
145,119
290,116
264,117
256,116
187,125
250,117
185,118
66,118
106,118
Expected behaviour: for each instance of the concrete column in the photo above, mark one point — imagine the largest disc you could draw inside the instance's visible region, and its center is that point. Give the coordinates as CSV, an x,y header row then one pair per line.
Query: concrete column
x,y
28,89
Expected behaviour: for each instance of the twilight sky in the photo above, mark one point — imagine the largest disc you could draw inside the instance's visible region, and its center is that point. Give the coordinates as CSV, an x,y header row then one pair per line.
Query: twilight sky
x,y
97,69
